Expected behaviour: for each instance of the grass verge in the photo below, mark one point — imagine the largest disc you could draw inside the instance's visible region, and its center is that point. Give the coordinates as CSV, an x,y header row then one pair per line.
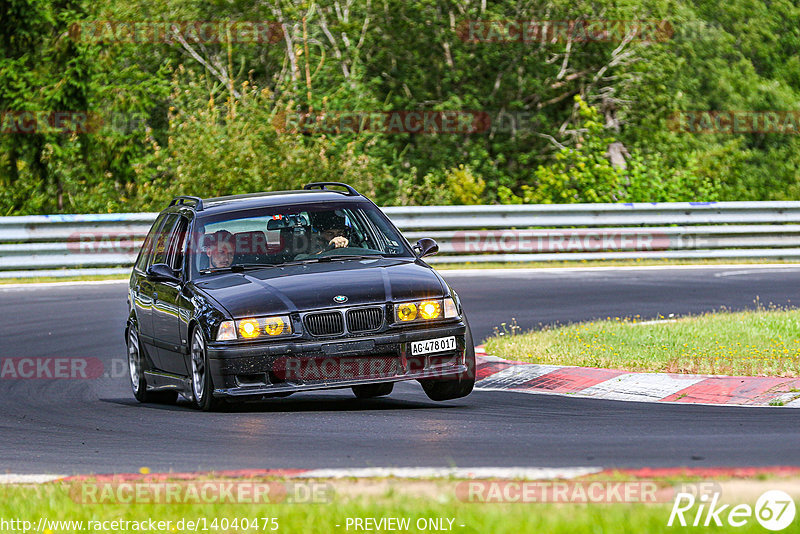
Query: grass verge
x,y
60,502
763,342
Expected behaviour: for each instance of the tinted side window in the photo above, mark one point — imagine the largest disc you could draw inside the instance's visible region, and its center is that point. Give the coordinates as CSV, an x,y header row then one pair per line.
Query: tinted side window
x,y
177,244
160,250
147,248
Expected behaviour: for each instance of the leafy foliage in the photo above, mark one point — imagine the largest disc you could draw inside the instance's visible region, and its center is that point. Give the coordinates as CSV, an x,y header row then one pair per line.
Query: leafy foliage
x,y
565,120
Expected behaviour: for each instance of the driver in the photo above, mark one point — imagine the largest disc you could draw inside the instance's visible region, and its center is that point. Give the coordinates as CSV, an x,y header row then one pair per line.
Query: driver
x,y
219,249
331,231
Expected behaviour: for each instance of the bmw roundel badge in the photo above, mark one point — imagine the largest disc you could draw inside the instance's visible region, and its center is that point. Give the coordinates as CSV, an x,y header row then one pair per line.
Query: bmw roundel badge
x,y
340,299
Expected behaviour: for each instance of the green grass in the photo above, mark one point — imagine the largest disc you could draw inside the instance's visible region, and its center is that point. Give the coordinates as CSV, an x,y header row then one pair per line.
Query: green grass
x,y
53,502
765,342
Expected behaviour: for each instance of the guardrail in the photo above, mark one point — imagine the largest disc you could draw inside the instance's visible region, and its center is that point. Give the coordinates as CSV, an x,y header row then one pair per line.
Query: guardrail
x,y
70,245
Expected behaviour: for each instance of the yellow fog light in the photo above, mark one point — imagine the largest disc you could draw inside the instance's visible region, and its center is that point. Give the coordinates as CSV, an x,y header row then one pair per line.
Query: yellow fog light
x,y
248,328
429,309
407,311
273,326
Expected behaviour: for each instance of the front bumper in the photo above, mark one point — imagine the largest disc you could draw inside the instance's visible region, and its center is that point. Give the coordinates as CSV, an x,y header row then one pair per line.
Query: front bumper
x,y
258,369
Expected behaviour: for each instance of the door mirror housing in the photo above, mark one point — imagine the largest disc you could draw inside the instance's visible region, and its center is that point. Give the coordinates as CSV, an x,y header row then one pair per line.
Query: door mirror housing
x,y
161,272
426,247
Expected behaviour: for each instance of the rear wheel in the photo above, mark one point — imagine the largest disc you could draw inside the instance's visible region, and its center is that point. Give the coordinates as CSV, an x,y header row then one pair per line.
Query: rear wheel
x,y
457,386
202,383
369,391
137,365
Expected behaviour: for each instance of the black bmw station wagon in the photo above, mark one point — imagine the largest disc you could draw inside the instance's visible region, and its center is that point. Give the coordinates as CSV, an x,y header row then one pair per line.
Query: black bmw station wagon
x,y
247,297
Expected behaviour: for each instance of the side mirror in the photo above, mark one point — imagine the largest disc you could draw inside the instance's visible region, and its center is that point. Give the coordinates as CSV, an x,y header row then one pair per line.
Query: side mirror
x,y
161,272
426,247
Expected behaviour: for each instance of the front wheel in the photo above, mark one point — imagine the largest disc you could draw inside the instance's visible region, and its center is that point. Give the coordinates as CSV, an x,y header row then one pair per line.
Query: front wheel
x,y
136,367
202,383
457,386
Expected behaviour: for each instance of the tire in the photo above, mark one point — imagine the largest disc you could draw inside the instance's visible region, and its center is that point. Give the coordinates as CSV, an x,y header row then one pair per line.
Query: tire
x,y
369,391
202,383
137,365
456,387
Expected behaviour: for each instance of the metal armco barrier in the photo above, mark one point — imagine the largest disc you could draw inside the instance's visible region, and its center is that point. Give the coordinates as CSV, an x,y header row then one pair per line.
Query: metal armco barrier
x,y
70,245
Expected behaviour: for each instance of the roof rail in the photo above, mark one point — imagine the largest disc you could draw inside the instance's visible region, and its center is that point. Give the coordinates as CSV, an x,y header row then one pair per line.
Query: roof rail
x,y
181,200
322,185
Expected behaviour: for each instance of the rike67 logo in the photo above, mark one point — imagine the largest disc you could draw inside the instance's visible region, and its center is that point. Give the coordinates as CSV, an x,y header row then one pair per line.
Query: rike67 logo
x,y
774,510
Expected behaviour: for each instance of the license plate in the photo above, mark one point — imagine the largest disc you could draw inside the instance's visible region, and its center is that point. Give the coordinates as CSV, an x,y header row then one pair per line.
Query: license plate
x,y
428,346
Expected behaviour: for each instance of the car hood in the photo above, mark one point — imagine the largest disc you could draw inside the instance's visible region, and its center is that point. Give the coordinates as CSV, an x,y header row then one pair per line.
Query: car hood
x,y
313,286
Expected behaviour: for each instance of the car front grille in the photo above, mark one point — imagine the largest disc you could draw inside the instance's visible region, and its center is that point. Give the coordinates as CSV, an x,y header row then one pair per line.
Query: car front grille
x,y
325,324
364,319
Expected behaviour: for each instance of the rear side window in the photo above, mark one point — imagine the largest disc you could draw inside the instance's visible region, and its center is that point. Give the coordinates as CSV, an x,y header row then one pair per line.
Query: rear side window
x,y
177,244
146,253
161,248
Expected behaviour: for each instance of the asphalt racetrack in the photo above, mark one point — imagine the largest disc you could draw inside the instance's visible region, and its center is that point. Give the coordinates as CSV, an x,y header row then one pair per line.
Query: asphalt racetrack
x,y
95,426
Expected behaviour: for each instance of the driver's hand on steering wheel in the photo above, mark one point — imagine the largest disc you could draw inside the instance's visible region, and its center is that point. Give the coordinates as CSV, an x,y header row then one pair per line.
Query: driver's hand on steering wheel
x,y
338,242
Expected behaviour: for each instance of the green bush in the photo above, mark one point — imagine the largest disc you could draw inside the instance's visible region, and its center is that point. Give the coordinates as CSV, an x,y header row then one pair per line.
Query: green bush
x,y
586,174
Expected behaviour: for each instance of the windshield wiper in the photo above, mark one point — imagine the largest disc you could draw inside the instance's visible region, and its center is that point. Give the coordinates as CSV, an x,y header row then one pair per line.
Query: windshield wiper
x,y
239,267
333,257
321,259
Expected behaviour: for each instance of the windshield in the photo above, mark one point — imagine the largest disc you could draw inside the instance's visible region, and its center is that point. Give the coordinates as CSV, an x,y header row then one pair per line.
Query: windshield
x,y
283,235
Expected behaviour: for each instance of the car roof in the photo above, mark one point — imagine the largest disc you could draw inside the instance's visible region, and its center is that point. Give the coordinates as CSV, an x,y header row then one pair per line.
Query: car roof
x,y
225,204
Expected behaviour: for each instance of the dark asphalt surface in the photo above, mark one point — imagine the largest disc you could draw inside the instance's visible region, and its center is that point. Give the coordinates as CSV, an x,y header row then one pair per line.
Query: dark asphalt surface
x,y
84,426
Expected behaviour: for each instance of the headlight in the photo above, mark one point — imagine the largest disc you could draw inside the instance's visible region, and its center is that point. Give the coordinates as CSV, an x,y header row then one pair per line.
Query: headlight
x,y
425,310
430,309
255,327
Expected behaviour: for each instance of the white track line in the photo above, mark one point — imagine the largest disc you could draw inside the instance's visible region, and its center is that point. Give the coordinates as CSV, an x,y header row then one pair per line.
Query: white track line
x,y
28,479
524,271
43,285
746,271
526,473
529,473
